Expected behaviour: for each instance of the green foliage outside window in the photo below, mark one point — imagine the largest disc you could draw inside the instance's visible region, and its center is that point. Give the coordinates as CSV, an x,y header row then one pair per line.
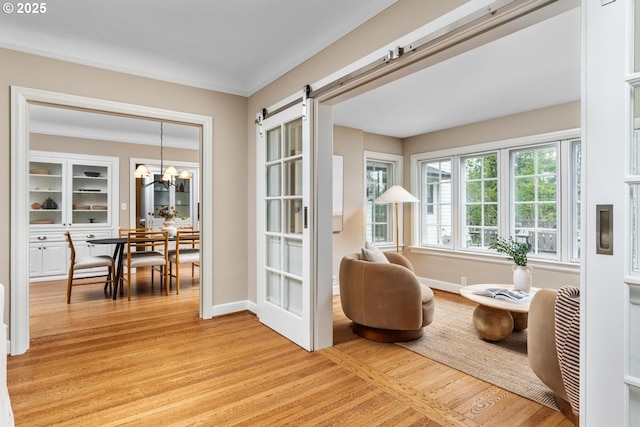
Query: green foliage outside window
x,y
481,198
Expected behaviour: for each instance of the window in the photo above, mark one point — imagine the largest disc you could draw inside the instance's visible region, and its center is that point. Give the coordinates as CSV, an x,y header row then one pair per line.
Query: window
x,y
479,200
535,197
436,195
382,172
514,188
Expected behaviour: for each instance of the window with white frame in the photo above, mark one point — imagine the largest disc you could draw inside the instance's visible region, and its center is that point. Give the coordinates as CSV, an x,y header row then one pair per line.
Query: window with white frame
x,y
479,199
382,172
534,186
436,202
510,188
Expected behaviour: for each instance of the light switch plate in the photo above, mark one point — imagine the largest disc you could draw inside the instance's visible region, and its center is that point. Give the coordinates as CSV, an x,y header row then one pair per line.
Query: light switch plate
x,y
123,206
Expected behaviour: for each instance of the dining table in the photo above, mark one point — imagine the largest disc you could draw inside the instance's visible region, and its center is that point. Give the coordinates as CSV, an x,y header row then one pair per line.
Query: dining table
x,y
118,255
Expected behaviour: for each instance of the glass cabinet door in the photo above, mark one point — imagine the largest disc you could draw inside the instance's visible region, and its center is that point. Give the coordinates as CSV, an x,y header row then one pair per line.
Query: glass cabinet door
x,y
183,197
180,197
161,194
90,194
46,192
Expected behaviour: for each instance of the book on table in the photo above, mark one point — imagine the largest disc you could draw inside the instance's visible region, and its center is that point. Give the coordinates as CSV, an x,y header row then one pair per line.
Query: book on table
x,y
513,295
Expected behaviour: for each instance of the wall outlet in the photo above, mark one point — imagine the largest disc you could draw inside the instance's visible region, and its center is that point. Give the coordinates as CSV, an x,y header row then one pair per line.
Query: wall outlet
x,y
463,280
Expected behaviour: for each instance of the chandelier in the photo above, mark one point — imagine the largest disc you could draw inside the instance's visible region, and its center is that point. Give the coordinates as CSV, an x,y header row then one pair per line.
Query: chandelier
x,y
169,174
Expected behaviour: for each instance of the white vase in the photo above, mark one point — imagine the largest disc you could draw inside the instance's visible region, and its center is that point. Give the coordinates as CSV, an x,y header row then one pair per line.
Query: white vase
x,y
522,278
169,226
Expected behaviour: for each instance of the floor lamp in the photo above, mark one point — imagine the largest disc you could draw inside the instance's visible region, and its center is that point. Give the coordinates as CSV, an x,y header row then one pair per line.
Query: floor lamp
x,y
396,194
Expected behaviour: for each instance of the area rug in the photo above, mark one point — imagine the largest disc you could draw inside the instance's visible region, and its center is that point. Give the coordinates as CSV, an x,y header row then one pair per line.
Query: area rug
x,y
452,340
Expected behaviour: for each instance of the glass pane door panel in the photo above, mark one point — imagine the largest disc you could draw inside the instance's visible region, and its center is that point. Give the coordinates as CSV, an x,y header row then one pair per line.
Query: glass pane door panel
x,y
293,301
273,215
636,36
273,180
293,256
273,252
634,331
273,144
634,224
293,177
634,154
273,289
293,138
293,216
634,406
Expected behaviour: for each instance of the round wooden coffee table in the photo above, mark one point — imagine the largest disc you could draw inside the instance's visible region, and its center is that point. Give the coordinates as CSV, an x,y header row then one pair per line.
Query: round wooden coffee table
x,y
495,318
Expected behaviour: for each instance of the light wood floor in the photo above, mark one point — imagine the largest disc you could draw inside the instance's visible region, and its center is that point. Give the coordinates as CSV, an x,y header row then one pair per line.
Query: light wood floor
x,y
153,362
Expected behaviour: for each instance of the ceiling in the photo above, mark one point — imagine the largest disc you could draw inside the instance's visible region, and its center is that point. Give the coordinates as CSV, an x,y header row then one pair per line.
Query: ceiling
x,y
233,46
536,67
223,45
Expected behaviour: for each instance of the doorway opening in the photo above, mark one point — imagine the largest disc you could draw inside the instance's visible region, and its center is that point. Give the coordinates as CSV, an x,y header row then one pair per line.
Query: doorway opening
x,y
22,98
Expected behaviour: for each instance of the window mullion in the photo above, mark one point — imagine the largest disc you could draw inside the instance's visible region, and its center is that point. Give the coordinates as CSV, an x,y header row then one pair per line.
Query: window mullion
x,y
506,205
566,210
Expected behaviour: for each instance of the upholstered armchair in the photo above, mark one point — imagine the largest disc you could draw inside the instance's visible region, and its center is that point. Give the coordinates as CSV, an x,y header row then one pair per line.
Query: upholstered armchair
x,y
385,301
554,345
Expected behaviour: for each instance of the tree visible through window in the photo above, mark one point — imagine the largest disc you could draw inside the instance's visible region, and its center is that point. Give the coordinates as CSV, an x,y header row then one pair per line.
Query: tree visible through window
x,y
535,197
480,200
522,188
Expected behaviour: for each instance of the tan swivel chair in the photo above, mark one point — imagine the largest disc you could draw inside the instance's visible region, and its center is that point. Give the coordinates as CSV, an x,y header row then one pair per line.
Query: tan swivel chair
x,y
553,345
76,264
147,249
187,251
386,302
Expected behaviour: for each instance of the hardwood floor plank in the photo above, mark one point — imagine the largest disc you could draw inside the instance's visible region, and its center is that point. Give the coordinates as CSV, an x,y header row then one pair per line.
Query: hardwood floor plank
x,y
153,362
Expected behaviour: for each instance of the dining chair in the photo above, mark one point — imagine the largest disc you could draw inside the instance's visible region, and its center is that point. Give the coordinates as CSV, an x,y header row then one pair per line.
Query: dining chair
x,y
155,244
84,263
187,251
141,250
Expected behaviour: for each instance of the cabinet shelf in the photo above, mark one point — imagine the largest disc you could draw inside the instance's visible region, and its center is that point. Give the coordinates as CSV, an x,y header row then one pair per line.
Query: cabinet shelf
x,y
63,183
63,177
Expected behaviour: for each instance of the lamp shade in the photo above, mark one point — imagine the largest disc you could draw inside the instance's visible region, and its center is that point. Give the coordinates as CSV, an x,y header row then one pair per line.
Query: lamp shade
x,y
171,170
396,194
185,174
141,172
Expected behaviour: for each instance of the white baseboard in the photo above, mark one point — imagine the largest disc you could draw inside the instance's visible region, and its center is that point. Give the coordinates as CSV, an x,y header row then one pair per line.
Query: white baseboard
x,y
443,286
232,307
252,307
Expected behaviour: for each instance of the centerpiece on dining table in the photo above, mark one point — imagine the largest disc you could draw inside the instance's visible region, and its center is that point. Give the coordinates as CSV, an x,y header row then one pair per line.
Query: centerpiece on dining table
x,y
169,213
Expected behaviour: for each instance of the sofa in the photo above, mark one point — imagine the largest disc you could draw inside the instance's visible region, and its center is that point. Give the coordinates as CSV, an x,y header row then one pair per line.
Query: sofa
x,y
385,300
553,345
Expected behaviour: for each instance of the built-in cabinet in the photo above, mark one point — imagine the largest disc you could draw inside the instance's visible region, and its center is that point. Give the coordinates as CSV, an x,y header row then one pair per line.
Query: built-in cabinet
x,y
47,258
69,192
182,196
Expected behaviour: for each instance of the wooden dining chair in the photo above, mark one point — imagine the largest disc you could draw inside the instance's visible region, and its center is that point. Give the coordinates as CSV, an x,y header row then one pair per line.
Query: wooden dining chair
x,y
84,263
124,231
155,244
141,250
187,251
